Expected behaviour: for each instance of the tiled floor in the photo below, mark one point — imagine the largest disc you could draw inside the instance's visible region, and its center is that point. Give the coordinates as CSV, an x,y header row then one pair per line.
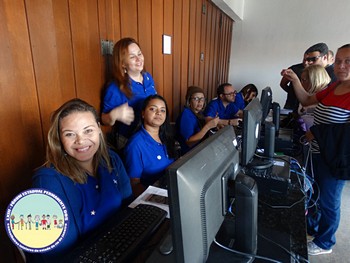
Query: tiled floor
x,y
341,249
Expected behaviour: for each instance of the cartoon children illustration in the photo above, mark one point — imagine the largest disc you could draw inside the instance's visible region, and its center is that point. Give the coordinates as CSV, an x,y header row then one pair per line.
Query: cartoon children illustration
x,y
43,222
60,223
29,222
48,222
21,221
13,221
37,220
54,221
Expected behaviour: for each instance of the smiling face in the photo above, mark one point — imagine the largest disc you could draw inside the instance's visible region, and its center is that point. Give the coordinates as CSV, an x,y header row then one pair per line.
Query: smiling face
x,y
155,113
80,137
133,61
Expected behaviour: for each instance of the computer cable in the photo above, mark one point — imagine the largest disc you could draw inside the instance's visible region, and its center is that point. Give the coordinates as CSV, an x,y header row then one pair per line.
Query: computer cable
x,y
245,254
295,257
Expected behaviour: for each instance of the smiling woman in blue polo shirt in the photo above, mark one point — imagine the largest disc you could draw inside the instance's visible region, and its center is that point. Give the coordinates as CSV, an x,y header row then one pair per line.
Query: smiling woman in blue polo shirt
x,y
152,148
123,97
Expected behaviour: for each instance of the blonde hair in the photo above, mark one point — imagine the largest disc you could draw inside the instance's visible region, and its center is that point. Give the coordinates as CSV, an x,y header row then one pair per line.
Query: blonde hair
x,y
55,153
318,78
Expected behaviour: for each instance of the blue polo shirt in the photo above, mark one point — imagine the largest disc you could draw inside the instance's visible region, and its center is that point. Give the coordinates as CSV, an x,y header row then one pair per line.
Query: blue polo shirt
x,y
114,97
187,124
88,205
145,158
239,101
216,106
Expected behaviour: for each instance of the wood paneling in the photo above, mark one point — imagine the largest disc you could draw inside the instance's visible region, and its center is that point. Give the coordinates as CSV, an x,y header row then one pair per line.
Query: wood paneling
x,y
145,32
168,59
87,52
128,18
50,51
50,37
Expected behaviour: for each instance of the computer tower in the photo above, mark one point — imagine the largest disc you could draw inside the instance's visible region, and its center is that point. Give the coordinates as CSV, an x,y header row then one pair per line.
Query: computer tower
x,y
246,200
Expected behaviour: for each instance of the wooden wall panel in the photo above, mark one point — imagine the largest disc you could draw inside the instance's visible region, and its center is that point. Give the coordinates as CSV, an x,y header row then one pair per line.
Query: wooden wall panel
x,y
168,59
157,56
113,19
202,46
144,11
21,138
128,18
191,42
185,59
20,131
176,50
49,27
87,55
207,42
211,40
197,42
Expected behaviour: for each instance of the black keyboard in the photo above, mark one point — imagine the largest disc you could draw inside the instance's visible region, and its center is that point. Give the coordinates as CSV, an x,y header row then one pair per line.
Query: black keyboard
x,y
121,241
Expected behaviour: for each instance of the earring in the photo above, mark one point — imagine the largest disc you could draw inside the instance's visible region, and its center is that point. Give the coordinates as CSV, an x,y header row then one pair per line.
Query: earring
x,y
125,71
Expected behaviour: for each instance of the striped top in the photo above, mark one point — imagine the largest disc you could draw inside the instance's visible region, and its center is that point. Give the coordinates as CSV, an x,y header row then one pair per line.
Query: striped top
x,y
331,108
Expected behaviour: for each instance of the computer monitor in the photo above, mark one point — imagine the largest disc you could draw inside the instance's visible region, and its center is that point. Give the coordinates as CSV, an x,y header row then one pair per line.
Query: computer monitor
x,y
252,115
198,194
266,102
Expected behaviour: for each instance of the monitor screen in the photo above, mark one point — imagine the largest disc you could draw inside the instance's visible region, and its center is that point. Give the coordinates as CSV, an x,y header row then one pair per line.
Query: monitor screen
x,y
198,194
252,115
266,102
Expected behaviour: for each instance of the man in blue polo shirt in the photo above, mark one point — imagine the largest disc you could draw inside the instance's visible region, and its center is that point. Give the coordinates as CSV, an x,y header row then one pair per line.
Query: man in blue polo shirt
x,y
224,107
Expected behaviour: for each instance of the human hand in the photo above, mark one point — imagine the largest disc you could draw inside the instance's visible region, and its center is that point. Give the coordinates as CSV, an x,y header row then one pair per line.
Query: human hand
x,y
235,122
289,74
213,123
124,113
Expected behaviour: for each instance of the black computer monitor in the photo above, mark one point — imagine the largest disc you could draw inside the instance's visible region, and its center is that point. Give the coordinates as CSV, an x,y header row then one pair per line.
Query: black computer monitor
x,y
252,115
198,194
266,102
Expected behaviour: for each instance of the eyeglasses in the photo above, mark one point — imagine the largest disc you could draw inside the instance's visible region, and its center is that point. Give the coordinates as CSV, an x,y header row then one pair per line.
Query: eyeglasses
x,y
312,59
198,98
230,94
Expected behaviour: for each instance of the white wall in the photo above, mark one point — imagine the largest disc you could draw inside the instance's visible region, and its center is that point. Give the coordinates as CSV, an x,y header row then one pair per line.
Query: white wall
x,y
275,33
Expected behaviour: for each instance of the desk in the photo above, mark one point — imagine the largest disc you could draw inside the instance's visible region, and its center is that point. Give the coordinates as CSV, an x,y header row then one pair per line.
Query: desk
x,y
277,224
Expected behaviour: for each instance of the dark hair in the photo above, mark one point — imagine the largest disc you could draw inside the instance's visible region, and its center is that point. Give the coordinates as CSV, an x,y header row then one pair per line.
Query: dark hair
x,y
249,88
344,46
320,47
221,89
166,133
119,53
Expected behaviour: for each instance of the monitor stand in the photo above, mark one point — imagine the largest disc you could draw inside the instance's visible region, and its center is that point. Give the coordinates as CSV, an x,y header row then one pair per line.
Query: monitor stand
x,y
239,229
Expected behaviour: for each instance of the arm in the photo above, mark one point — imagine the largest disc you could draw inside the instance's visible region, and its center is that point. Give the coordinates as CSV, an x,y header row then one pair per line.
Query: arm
x,y
123,113
304,98
134,167
124,186
195,138
284,84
